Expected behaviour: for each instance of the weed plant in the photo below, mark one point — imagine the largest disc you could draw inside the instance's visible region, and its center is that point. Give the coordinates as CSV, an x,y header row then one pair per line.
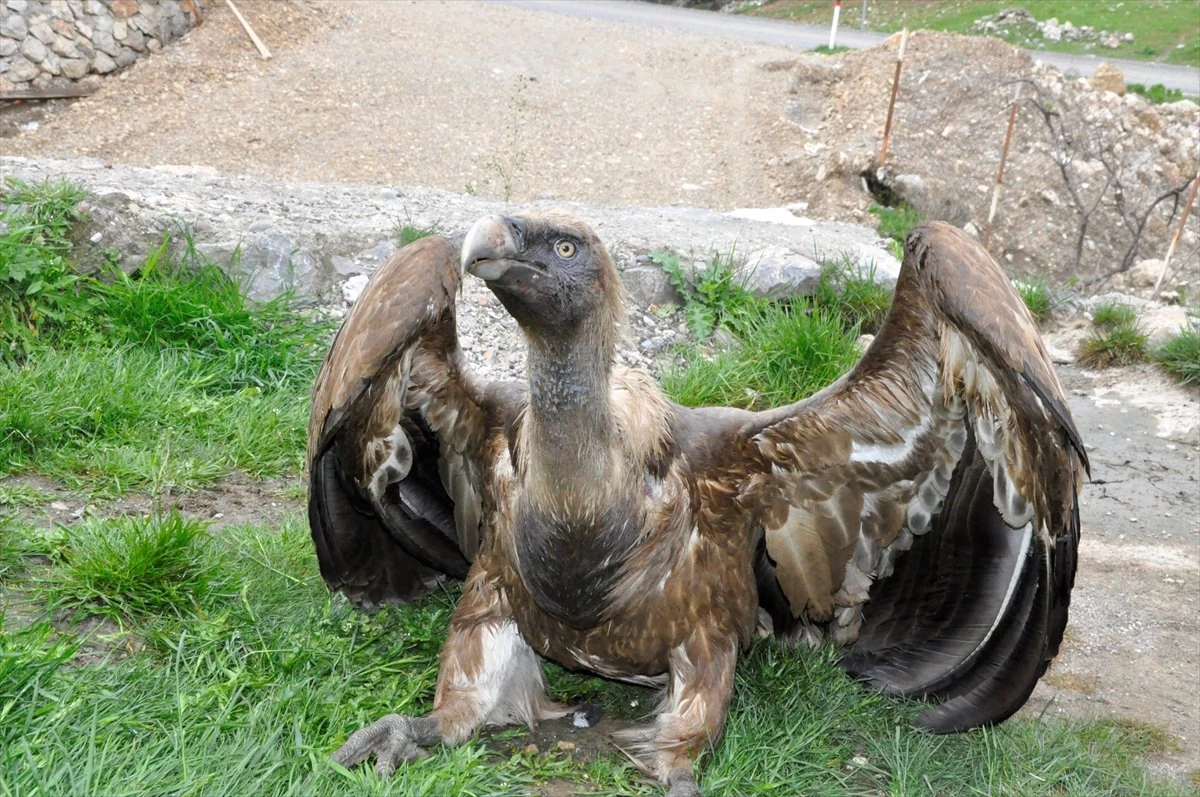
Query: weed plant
x,y
712,295
1036,295
39,290
1115,338
1179,356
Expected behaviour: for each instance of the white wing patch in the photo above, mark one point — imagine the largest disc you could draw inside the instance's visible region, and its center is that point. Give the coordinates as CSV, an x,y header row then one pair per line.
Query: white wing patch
x,y
397,464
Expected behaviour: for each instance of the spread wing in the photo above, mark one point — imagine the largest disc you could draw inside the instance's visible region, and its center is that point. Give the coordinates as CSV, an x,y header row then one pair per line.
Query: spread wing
x,y
923,509
399,435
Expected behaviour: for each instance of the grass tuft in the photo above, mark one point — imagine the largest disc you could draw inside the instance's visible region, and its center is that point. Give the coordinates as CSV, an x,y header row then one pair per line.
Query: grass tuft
x,y
189,304
856,296
1115,339
1179,356
783,352
896,222
1036,295
406,232
134,567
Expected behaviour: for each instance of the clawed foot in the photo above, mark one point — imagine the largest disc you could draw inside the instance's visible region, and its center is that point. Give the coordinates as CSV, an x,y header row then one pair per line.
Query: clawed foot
x,y
683,784
393,739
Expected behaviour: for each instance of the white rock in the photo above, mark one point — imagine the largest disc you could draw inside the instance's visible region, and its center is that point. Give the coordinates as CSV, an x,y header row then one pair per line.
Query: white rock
x,y
353,288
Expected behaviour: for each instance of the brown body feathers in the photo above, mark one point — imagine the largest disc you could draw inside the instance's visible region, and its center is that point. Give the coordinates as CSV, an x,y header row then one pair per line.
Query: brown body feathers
x,y
921,511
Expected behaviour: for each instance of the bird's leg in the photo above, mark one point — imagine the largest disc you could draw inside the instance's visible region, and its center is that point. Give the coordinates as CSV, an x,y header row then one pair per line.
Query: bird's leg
x,y
488,675
693,716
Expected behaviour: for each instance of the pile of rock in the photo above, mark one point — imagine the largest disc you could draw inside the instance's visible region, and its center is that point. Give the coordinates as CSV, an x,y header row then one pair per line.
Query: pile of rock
x,y
1094,182
1051,30
46,43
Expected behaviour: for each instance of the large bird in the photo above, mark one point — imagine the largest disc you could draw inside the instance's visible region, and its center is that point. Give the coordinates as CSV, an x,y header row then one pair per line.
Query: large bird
x,y
921,511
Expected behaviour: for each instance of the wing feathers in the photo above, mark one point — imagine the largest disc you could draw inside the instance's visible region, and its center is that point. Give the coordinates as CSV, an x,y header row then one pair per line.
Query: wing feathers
x,y
951,575
403,427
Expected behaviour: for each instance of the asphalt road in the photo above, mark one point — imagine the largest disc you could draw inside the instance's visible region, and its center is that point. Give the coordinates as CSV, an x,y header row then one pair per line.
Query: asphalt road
x,y
806,37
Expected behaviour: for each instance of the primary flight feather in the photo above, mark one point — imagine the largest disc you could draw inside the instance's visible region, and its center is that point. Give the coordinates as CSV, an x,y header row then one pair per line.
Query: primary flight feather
x,y
921,511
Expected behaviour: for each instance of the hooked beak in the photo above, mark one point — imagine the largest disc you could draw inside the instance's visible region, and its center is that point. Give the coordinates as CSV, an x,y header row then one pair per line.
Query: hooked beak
x,y
493,246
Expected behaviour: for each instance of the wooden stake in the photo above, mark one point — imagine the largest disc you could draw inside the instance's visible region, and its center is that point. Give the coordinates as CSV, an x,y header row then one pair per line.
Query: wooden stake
x,y
1012,118
887,127
262,48
1187,208
51,93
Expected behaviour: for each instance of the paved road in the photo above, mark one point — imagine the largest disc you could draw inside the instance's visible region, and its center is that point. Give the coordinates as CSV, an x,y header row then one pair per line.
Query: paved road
x,y
805,37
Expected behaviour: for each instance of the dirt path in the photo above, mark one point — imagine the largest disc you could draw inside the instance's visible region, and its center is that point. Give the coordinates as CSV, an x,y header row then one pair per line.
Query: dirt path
x,y
379,93
1132,649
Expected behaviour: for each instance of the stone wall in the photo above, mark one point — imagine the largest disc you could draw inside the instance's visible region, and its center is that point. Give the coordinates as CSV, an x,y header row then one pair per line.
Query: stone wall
x,y
46,43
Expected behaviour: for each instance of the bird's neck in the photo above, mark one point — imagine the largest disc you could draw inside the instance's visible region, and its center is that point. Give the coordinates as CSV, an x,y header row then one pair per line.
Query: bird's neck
x,y
569,424
577,521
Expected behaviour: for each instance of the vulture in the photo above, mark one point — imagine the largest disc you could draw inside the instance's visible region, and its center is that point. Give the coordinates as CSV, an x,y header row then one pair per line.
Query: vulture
x,y
920,512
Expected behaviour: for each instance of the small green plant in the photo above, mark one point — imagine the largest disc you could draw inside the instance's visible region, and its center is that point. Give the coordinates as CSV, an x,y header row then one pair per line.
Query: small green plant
x,y
1158,93
712,296
406,232
825,49
855,295
1179,356
896,222
1036,295
130,567
784,351
38,290
1115,339
187,303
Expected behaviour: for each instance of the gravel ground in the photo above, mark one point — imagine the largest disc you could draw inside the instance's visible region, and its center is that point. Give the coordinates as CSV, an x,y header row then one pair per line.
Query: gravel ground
x,y
574,109
598,112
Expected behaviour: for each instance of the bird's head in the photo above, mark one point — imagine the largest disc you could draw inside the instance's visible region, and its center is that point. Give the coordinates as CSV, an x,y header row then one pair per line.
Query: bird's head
x,y
548,269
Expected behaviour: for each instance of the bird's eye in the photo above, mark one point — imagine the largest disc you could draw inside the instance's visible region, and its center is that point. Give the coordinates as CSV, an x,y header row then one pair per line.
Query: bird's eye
x,y
565,249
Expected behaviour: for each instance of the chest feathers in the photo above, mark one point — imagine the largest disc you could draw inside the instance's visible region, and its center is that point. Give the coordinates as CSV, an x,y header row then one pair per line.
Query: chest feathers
x,y
570,562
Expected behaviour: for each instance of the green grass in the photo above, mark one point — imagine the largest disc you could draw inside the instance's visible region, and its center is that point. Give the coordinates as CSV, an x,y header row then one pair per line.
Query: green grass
x,y
1036,295
1180,356
861,302
775,352
251,694
406,232
109,420
131,567
896,222
784,351
1115,338
166,379
1157,93
1164,30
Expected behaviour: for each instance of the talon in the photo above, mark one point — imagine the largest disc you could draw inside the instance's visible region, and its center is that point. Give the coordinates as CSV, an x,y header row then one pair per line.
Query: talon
x,y
682,783
393,739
